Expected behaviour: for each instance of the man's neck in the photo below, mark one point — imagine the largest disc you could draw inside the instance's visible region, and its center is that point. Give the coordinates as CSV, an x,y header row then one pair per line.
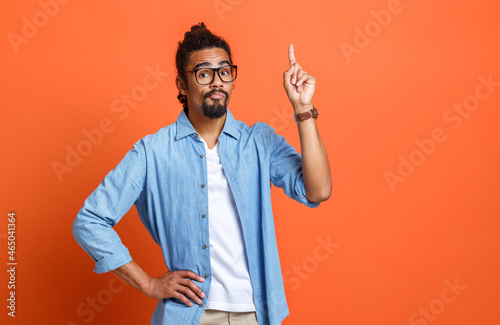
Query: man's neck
x,y
209,129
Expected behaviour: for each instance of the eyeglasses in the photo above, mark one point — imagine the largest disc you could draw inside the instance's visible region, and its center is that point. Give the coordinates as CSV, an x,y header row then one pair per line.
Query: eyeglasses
x,y
205,76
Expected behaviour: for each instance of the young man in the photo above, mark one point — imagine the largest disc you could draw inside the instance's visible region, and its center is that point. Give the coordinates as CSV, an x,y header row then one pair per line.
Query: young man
x,y
201,187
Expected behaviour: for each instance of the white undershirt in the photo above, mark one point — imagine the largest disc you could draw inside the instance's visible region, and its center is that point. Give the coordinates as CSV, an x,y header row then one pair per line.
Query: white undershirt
x,y
231,288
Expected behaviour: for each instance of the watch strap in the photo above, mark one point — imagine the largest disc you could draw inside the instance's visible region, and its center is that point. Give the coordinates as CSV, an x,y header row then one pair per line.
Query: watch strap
x,y
299,117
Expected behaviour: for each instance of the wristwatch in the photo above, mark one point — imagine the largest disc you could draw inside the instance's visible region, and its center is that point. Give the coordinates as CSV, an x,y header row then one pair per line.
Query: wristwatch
x,y
299,117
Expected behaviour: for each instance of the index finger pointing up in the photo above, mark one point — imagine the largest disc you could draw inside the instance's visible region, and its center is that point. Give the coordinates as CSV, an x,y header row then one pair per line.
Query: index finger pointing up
x,y
291,55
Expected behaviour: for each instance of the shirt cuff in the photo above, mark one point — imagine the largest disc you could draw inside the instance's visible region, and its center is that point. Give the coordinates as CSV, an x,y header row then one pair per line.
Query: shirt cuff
x,y
114,261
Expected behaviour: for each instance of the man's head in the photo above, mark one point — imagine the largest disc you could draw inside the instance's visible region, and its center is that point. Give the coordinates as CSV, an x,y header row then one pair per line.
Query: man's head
x,y
202,49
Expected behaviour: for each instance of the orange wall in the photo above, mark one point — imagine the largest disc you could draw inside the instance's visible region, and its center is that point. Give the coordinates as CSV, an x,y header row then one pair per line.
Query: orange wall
x,y
408,94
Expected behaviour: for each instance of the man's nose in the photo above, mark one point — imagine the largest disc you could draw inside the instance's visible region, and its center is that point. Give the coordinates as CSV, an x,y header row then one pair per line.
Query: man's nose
x,y
217,82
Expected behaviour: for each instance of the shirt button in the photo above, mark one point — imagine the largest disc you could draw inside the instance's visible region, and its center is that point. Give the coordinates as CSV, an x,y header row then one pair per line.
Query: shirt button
x,y
202,185
201,305
196,135
206,276
202,155
203,215
204,246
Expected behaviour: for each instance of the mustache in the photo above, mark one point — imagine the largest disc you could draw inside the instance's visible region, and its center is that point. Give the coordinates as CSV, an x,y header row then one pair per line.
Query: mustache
x,y
210,93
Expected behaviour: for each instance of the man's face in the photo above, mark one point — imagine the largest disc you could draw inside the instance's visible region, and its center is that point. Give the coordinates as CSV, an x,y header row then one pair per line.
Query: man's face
x,y
210,100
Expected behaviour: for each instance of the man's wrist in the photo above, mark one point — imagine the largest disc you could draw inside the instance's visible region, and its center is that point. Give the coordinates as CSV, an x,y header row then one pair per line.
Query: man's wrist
x,y
146,286
301,108
310,114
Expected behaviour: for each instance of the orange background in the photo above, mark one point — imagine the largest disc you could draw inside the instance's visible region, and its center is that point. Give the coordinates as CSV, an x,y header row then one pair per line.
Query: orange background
x,y
397,244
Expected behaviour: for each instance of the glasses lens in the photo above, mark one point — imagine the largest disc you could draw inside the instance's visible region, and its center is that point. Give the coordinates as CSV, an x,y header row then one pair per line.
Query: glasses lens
x,y
227,74
204,76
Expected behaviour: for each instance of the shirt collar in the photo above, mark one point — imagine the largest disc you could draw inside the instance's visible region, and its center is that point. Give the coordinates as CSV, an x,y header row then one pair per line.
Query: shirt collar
x,y
185,128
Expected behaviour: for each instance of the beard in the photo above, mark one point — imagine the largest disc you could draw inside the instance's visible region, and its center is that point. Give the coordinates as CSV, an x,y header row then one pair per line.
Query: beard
x,y
219,106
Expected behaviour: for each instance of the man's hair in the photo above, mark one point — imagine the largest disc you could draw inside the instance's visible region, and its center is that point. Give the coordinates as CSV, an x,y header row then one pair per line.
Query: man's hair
x,y
199,38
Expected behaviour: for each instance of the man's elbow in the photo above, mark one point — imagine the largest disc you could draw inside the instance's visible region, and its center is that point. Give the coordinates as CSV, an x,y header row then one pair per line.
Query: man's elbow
x,y
77,227
320,196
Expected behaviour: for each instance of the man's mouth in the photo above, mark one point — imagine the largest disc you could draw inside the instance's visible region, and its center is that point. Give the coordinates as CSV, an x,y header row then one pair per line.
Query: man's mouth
x,y
217,95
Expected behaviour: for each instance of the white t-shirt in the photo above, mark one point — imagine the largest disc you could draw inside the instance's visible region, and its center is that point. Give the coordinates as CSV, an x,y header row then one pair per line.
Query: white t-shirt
x,y
231,288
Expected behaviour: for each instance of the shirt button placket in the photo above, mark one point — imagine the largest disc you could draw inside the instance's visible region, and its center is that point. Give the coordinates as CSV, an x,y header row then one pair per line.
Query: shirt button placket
x,y
203,216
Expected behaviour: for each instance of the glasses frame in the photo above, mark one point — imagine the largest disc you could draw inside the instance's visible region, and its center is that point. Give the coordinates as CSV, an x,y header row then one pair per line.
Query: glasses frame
x,y
213,75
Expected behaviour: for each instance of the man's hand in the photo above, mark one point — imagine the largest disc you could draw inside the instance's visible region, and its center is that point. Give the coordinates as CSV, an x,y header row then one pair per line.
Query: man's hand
x,y
299,85
169,285
176,285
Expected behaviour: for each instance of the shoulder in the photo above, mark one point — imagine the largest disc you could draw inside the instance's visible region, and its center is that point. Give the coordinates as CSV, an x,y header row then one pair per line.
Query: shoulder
x,y
261,136
157,139
259,129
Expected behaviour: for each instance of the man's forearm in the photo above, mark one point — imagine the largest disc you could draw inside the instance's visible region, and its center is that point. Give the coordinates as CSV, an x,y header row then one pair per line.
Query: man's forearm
x,y
315,165
134,275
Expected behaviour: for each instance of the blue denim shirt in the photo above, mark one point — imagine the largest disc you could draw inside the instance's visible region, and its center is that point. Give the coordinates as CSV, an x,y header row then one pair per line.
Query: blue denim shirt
x,y
165,176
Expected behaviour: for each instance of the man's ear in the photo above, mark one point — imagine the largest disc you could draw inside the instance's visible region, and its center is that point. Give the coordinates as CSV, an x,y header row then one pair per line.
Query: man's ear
x,y
180,85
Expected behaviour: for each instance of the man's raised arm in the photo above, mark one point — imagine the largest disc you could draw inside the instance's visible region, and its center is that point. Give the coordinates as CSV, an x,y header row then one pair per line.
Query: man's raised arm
x,y
299,87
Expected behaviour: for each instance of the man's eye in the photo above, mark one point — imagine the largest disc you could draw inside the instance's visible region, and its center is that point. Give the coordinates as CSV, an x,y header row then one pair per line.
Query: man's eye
x,y
203,75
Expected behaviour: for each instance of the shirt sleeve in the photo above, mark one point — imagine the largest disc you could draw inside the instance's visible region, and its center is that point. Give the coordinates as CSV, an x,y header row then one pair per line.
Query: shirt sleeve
x,y
286,169
102,210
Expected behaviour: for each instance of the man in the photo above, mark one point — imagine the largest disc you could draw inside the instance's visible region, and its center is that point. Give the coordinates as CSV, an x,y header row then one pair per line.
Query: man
x,y
201,187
